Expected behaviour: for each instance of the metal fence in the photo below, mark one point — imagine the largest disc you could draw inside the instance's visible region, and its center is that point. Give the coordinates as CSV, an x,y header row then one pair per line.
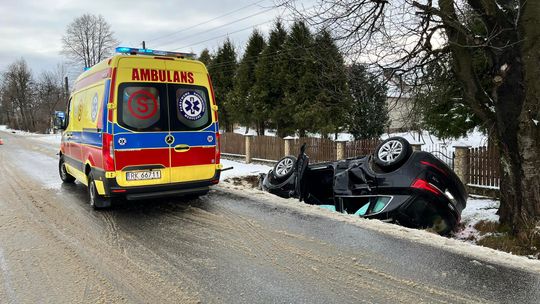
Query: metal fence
x,y
441,151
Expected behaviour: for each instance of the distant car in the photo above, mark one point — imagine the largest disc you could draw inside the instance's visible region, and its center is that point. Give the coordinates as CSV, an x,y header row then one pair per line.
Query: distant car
x,y
395,184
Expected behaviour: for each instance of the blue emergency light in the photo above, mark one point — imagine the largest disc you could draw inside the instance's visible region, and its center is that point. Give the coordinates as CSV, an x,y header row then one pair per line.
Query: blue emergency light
x,y
138,51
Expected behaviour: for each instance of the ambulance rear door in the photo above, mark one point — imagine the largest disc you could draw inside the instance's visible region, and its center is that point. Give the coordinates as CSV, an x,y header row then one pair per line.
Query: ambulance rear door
x,y
142,156
192,126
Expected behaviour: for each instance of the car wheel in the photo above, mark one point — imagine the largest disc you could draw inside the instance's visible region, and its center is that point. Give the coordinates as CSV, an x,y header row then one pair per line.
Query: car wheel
x,y
392,152
96,201
284,168
64,175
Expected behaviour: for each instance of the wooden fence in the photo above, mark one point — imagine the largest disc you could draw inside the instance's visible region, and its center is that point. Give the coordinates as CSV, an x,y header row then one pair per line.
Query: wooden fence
x,y
318,149
484,167
360,147
267,147
273,148
233,143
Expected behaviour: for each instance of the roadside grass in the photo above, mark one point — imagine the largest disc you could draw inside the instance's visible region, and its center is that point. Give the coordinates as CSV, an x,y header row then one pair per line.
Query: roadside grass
x,y
496,236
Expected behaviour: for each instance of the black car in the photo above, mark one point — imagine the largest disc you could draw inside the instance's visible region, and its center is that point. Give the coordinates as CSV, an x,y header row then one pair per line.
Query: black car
x,y
395,184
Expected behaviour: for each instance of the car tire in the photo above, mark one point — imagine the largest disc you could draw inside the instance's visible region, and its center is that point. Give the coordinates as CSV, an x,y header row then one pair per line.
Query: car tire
x,y
283,169
97,201
392,153
64,175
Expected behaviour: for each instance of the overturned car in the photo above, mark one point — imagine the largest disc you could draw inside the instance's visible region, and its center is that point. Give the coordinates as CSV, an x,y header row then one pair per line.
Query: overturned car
x,y
395,184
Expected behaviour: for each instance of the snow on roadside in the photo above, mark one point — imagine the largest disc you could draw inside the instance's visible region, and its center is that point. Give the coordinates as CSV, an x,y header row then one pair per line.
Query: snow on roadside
x,y
478,209
241,169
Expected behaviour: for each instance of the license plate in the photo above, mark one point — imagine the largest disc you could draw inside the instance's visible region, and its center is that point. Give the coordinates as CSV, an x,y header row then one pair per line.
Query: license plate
x,y
143,175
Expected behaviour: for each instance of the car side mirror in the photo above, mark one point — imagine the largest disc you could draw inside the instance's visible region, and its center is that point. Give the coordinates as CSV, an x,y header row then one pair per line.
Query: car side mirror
x,y
60,120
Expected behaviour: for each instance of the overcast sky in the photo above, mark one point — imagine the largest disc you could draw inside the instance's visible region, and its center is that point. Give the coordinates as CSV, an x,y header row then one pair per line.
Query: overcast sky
x,y
32,29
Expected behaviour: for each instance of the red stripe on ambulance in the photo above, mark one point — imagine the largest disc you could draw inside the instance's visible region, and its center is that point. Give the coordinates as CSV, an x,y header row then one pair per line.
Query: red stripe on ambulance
x,y
195,156
141,158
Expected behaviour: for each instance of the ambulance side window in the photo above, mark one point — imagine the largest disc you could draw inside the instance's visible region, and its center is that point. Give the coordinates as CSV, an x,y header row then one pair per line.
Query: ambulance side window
x,y
190,107
141,107
69,104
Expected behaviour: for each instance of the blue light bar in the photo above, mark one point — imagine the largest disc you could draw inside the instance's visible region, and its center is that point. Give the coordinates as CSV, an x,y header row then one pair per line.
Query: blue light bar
x,y
138,51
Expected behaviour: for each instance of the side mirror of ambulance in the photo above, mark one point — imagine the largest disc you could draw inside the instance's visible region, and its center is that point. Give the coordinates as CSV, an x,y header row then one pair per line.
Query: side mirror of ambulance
x,y
59,120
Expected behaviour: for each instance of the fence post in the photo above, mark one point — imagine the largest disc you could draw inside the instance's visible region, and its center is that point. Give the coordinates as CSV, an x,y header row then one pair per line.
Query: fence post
x,y
461,163
340,149
248,147
288,141
416,147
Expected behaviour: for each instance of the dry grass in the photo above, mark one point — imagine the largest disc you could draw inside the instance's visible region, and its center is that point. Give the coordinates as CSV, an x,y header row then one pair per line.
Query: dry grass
x,y
251,181
498,237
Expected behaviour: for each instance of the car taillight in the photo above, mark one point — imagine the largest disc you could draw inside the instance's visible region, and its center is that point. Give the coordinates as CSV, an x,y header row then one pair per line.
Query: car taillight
x,y
108,152
218,147
424,185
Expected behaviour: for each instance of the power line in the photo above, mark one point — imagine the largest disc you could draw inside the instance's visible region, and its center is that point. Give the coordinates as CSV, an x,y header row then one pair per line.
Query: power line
x,y
234,32
205,22
221,26
224,35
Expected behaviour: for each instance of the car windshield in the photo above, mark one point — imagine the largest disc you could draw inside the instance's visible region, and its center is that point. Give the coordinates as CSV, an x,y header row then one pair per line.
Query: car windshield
x,y
147,107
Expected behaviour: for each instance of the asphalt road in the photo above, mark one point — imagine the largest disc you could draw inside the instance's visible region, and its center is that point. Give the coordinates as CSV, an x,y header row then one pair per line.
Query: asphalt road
x,y
224,247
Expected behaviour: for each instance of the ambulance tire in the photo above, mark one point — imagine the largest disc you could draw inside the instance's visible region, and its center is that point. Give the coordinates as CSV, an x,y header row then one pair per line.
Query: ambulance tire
x,y
97,201
64,175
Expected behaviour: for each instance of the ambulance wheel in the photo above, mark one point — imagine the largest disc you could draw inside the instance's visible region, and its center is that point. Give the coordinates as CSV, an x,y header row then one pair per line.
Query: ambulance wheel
x,y
96,201
64,175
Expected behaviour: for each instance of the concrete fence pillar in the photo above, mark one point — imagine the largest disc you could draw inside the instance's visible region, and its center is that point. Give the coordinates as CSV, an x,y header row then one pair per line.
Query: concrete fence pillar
x,y
288,144
340,149
461,163
249,139
416,147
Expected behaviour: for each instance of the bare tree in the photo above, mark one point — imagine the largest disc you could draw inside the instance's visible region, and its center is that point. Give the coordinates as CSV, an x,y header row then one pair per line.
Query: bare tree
x,y
18,96
88,40
50,96
495,50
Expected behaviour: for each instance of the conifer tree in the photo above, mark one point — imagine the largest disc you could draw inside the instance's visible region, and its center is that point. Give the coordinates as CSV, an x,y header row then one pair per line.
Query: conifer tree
x,y
333,100
368,116
298,71
268,90
205,57
222,69
242,97
440,101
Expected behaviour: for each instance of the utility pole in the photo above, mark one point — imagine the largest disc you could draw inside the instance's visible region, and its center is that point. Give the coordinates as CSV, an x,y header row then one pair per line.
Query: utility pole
x,y
66,87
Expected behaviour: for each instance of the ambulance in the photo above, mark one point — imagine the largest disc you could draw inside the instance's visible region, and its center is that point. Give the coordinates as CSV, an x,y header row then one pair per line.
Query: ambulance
x,y
141,124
